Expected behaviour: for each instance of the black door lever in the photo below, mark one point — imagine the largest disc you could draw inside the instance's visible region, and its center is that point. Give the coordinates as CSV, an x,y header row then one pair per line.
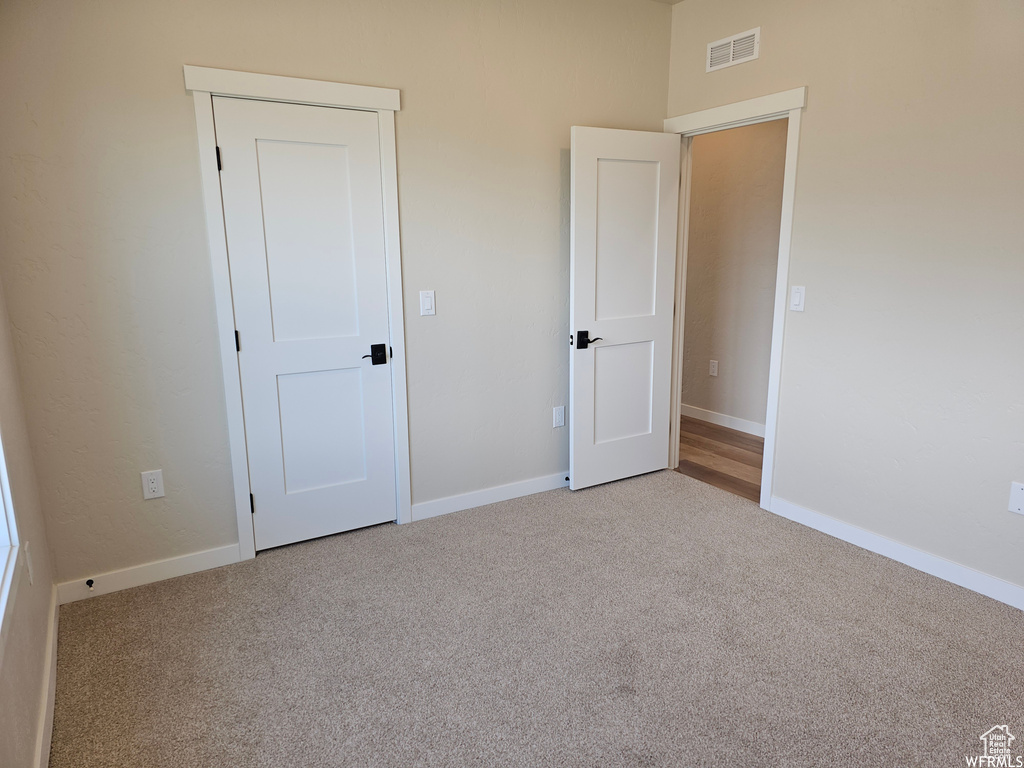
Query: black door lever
x,y
378,354
583,339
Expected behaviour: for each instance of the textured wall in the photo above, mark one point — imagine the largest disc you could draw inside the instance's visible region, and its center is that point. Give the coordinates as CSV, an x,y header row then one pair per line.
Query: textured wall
x,y
24,667
732,255
902,405
102,238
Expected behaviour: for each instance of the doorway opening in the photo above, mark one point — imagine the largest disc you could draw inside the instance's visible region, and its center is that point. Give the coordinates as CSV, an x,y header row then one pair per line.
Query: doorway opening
x,y
733,221
786,108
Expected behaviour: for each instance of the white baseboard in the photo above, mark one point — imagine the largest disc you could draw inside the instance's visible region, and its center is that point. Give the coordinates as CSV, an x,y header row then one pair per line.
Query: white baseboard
x,y
147,573
732,422
114,581
457,503
45,733
947,570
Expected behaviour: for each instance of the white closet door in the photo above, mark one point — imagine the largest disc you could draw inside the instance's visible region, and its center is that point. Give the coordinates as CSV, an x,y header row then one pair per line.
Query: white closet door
x,y
624,216
303,209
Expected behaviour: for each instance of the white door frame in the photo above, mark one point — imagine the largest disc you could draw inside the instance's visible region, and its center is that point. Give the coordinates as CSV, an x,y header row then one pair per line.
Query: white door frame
x,y
205,83
776,106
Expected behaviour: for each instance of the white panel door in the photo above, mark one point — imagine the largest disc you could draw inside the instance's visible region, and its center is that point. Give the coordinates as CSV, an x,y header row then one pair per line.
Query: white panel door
x,y
624,216
303,212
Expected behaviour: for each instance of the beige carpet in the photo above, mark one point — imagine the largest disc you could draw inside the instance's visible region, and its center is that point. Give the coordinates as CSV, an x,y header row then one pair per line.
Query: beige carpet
x,y
651,622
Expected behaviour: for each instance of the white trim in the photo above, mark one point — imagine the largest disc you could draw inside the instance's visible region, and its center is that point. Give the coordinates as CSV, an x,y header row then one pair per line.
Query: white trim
x,y
44,734
722,420
216,240
682,263
9,529
758,110
205,82
761,109
147,573
771,421
947,570
10,578
229,82
425,509
10,553
396,316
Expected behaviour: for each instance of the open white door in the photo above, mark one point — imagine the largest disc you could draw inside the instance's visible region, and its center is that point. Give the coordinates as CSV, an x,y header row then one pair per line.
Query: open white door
x,y
624,216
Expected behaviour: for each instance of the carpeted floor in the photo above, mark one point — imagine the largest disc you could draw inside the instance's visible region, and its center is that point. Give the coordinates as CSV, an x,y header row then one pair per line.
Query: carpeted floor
x,y
652,622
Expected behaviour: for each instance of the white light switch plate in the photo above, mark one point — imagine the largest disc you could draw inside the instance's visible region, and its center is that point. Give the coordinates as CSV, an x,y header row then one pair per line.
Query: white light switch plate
x,y
796,298
1017,498
427,303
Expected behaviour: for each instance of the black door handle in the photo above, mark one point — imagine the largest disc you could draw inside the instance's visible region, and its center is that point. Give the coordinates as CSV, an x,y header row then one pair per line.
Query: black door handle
x,y
583,339
378,354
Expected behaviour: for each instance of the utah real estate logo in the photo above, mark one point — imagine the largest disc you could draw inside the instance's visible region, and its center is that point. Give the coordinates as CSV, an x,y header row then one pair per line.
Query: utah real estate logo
x,y
996,752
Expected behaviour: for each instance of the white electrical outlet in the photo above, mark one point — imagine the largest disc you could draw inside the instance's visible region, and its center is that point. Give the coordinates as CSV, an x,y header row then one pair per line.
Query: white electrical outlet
x,y
1017,498
713,368
558,416
153,484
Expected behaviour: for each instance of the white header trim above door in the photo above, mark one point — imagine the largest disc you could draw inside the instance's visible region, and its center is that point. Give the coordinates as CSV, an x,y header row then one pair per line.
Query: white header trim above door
x,y
229,82
759,110
206,82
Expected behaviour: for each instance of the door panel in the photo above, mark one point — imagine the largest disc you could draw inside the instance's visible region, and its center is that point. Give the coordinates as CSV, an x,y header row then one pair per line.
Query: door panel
x,y
625,192
627,238
303,211
623,386
322,432
307,211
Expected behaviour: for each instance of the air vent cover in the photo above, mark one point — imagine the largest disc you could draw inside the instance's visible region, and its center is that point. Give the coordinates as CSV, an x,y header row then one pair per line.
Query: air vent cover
x,y
736,49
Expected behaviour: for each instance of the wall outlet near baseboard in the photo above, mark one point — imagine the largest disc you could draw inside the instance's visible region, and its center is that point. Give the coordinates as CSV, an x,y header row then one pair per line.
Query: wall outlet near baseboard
x,y
1017,498
153,484
558,416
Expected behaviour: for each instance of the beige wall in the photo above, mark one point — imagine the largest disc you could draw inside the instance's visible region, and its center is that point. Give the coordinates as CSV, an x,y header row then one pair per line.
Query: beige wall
x,y
902,406
732,255
24,666
102,237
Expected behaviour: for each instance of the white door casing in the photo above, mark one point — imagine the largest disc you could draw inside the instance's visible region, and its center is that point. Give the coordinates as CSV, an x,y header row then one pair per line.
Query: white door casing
x,y
785,104
303,213
624,216
206,82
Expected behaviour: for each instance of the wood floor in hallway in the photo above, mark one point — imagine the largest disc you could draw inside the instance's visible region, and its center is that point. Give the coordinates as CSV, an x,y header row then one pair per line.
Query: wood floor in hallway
x,y
721,457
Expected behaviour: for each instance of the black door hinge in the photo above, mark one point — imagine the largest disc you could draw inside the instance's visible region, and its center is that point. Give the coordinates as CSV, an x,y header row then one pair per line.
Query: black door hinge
x,y
238,342
252,504
219,166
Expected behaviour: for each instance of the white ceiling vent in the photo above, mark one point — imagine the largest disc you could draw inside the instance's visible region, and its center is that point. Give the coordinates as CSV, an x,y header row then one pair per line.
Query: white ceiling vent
x,y
745,46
